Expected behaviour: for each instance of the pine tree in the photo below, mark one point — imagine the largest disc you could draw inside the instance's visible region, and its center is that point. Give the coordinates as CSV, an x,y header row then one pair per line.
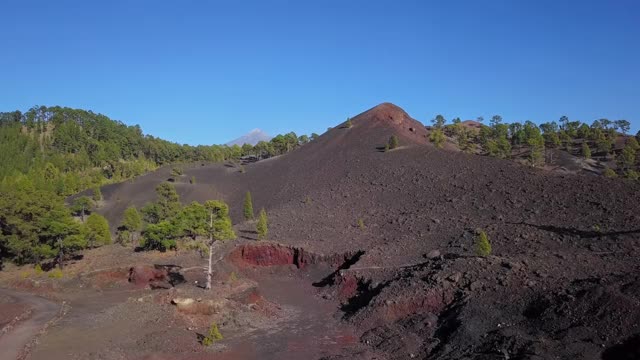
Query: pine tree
x,y
437,137
586,151
97,194
262,226
248,207
97,229
393,142
220,229
483,246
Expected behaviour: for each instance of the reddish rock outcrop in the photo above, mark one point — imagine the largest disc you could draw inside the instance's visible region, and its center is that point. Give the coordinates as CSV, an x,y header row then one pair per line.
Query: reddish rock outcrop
x,y
142,276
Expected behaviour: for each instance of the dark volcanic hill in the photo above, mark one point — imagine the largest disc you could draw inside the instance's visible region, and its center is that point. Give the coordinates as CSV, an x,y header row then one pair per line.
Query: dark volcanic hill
x,y
564,270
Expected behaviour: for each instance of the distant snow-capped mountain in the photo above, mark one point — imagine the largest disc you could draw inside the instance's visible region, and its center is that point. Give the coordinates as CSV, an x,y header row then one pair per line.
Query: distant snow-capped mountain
x,y
252,137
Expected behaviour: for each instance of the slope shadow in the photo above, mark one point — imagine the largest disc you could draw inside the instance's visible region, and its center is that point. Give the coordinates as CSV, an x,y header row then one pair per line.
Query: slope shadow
x,y
587,234
330,279
629,349
365,293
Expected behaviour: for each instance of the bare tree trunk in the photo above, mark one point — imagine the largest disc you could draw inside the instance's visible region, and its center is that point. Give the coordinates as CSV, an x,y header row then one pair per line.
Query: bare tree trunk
x,y
209,270
60,254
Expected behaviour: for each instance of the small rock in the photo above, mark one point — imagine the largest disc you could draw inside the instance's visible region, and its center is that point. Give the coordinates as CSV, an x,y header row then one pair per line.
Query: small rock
x,y
433,254
437,221
476,285
455,277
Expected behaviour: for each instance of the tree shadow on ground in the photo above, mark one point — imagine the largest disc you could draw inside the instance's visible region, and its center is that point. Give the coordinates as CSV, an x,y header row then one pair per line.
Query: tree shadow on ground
x,y
627,350
586,234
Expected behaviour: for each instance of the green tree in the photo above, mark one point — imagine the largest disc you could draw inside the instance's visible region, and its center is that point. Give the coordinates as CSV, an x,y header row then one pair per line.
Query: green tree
x,y
192,220
586,151
262,225
168,201
82,206
248,207
628,156
97,194
437,137
482,244
393,142
220,229
97,230
160,236
438,121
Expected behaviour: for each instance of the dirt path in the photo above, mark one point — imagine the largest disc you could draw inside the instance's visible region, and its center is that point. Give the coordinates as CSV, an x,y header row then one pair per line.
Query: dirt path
x,y
13,342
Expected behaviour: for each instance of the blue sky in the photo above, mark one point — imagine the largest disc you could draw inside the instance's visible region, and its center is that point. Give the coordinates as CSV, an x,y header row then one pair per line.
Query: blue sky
x,y
203,72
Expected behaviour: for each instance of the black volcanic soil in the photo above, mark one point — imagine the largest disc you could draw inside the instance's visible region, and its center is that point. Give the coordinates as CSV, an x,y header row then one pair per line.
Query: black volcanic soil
x,y
562,281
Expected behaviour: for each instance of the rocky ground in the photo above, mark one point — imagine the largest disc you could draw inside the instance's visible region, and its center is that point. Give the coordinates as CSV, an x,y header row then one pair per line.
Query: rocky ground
x,y
561,282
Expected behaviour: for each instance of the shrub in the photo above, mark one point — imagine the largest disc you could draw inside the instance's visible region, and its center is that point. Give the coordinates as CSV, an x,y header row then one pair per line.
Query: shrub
x,y
386,148
483,246
608,172
361,224
307,200
632,175
192,180
348,124
393,142
55,273
38,269
176,171
233,277
262,226
213,336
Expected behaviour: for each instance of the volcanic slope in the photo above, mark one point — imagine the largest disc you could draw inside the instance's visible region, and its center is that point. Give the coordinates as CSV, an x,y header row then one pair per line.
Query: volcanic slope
x,y
411,199
561,281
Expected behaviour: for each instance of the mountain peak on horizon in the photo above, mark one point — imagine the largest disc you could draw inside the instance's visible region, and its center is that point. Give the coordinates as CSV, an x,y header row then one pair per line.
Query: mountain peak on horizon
x,y
252,137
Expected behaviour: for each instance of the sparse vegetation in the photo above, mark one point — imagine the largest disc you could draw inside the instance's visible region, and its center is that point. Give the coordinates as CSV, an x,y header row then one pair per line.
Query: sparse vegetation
x,y
437,137
213,335
248,207
192,180
233,277
482,244
393,142
610,173
176,171
361,224
55,274
262,225
348,124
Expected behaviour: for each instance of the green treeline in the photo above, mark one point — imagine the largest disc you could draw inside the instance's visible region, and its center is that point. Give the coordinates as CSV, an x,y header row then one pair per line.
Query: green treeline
x,y
50,153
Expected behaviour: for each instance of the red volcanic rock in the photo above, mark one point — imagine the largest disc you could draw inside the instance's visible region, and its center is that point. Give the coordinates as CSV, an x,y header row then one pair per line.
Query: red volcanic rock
x,y
146,275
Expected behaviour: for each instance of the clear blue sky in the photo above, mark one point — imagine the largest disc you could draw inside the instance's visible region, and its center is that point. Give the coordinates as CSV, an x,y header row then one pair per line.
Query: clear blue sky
x,y
203,72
